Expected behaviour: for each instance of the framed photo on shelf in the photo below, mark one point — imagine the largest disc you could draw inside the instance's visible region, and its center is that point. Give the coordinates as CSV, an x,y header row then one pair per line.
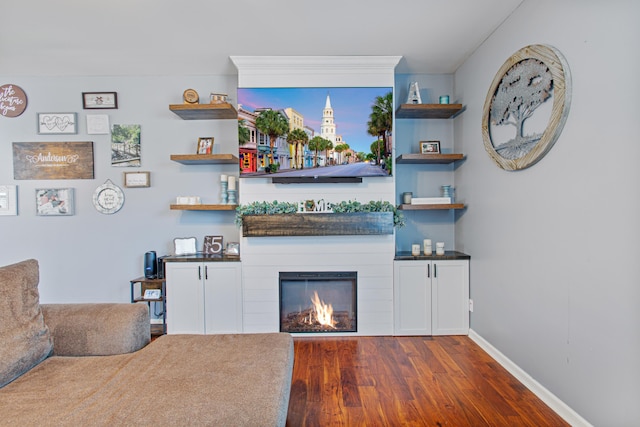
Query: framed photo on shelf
x,y
152,294
137,179
233,248
429,147
184,245
205,145
54,201
57,123
99,100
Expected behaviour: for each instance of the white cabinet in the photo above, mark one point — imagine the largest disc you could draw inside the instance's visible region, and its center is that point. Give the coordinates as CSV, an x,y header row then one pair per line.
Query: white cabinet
x,y
431,297
204,297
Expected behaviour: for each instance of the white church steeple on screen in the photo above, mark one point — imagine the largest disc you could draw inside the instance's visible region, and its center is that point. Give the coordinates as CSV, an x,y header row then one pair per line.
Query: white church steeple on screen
x,y
328,126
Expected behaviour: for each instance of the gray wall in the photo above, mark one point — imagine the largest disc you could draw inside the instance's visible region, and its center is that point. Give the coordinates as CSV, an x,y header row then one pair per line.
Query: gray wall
x,y
555,269
91,256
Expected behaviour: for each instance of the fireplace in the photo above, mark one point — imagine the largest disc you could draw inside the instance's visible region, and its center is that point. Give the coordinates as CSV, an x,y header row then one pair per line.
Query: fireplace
x,y
322,302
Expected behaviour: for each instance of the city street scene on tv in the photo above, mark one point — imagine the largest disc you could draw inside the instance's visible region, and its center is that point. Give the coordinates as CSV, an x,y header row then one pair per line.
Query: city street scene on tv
x,y
315,132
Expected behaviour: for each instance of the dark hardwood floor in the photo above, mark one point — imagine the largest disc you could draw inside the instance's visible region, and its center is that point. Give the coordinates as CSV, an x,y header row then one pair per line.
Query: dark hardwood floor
x,y
407,381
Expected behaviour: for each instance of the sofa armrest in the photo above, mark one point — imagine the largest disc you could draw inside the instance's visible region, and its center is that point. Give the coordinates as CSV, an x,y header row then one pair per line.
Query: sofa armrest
x,y
97,329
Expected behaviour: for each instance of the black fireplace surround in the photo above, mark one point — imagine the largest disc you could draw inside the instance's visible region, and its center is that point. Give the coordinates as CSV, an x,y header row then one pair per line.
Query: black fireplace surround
x,y
318,302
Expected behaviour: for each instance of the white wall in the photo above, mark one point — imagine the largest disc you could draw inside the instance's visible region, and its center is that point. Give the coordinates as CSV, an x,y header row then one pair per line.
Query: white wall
x,y
555,268
90,256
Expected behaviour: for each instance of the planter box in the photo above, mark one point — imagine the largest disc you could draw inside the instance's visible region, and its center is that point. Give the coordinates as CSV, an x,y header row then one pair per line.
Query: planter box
x,y
318,224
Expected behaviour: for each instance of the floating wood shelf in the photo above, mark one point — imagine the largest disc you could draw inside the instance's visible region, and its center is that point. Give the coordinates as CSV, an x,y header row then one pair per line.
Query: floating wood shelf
x,y
204,159
204,111
429,158
431,207
428,111
318,224
203,207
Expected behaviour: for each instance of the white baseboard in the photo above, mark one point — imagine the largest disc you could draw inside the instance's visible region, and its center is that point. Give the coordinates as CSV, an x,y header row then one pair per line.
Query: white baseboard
x,y
156,321
562,409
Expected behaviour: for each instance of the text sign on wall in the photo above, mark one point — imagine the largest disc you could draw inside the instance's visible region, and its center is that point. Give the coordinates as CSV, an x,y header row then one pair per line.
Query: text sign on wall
x,y
53,160
13,100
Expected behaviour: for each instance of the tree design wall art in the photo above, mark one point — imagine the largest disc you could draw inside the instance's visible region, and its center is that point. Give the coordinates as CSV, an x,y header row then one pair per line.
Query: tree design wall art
x,y
526,107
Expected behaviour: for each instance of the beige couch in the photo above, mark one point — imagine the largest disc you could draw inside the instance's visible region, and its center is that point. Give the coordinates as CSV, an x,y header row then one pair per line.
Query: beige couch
x,y
92,364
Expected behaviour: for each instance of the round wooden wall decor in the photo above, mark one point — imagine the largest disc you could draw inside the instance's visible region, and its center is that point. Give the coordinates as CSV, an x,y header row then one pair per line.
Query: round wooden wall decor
x,y
528,79
13,100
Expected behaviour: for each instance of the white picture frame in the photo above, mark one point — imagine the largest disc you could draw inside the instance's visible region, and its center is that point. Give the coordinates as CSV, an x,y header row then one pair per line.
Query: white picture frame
x,y
184,246
8,200
57,123
98,124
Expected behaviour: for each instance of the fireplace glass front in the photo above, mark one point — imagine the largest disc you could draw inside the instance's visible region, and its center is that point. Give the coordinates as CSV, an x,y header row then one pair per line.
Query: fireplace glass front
x,y
322,302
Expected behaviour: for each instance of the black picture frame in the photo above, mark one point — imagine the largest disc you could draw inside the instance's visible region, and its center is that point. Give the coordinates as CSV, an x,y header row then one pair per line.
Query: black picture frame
x,y
99,100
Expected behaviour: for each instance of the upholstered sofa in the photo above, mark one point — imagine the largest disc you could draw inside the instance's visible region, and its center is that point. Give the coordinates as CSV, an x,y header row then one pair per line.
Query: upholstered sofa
x,y
93,365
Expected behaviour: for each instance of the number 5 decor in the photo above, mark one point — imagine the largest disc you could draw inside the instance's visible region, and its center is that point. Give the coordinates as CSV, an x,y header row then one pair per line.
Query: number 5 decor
x,y
533,86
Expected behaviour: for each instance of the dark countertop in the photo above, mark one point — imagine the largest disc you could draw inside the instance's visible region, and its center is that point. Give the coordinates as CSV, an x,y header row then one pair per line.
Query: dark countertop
x,y
406,256
200,257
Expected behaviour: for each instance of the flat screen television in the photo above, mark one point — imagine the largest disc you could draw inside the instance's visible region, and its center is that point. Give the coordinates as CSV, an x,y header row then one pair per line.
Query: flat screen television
x,y
319,134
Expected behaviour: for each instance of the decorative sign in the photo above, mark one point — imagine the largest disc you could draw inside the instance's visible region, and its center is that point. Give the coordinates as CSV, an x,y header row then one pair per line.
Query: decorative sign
x,y
530,78
315,206
212,245
57,123
13,100
53,160
137,179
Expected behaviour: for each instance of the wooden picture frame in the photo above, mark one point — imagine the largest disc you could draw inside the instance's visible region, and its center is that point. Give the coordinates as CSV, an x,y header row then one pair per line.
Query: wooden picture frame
x,y
54,201
205,145
99,100
429,147
57,123
137,179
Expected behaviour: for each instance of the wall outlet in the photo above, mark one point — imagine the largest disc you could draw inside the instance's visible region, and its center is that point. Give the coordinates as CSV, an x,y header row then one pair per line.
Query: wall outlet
x,y
471,305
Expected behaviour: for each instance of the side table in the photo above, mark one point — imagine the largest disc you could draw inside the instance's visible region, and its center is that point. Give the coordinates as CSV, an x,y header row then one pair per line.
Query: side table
x,y
138,288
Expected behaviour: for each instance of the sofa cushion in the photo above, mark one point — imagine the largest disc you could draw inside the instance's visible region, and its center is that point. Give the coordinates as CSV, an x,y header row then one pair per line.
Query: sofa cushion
x,y
25,340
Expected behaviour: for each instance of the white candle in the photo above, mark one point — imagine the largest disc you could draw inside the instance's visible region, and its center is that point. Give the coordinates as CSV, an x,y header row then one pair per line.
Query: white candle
x,y
223,178
415,250
232,182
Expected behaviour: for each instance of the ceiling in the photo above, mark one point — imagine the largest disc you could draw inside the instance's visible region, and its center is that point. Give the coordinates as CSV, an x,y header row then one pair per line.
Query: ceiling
x,y
196,37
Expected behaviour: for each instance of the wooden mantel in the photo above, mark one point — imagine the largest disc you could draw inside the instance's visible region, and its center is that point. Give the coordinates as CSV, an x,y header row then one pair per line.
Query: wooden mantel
x,y
318,224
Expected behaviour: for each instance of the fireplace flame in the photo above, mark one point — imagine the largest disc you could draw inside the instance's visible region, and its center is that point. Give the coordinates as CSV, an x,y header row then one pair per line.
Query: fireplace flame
x,y
323,312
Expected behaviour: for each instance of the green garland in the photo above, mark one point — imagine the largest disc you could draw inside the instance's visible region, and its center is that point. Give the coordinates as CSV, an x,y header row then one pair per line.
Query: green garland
x,y
275,208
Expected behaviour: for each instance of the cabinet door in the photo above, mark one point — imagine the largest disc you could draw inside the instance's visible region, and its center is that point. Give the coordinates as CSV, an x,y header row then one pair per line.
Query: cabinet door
x,y
223,297
185,298
450,309
412,298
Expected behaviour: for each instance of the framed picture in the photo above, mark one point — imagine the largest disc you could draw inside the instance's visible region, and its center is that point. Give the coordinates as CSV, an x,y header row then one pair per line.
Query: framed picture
x,y
205,145
152,294
99,100
184,245
233,248
54,201
429,147
212,245
137,179
57,123
8,200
